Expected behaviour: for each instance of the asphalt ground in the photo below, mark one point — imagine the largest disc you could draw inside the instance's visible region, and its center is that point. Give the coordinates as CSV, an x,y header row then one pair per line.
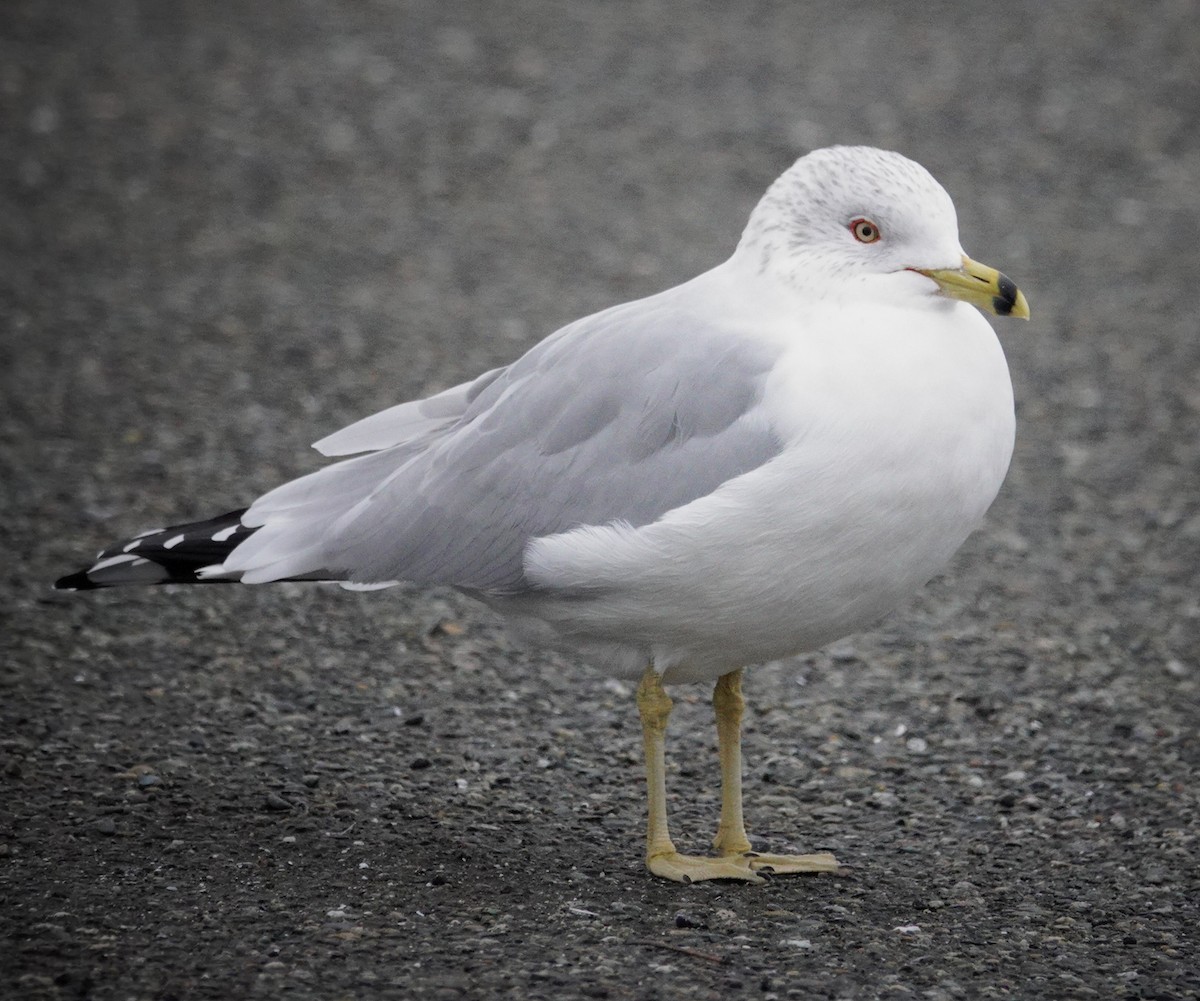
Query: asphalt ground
x,y
229,229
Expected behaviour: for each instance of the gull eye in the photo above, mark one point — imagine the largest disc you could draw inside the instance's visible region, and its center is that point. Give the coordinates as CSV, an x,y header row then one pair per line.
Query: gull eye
x,y
864,230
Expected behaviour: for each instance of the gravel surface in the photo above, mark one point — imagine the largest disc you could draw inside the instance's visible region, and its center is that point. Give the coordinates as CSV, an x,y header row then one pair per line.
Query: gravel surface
x,y
228,229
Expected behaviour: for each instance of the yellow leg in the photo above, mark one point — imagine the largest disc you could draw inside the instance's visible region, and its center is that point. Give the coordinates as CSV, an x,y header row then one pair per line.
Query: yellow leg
x,y
736,860
662,859
731,839
729,705
654,704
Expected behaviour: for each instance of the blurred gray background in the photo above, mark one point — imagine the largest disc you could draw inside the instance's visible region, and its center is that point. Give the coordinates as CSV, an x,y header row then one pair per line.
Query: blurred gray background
x,y
228,229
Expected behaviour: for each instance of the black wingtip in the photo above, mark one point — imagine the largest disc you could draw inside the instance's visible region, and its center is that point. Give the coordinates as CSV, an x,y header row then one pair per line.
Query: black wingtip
x,y
75,582
171,555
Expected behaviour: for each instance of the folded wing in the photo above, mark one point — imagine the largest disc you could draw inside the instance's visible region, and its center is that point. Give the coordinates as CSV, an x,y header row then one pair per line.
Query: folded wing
x,y
619,417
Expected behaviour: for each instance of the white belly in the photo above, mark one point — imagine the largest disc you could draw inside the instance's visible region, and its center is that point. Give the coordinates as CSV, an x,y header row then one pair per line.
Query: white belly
x,y
891,459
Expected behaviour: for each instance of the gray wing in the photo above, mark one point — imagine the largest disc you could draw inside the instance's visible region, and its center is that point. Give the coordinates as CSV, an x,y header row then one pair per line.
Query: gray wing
x,y
414,422
621,416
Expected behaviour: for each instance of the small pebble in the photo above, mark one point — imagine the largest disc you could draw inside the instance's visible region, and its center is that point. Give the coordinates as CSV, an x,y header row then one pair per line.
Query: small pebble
x,y
106,825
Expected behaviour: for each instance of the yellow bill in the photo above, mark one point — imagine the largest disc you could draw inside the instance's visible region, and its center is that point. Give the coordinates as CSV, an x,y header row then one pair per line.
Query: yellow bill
x,y
981,286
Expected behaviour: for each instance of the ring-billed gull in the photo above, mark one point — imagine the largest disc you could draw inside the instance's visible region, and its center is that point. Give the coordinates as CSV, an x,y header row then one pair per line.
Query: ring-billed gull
x,y
747,466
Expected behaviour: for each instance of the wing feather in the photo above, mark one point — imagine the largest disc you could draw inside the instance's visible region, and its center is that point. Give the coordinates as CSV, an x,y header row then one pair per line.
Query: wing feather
x,y
619,417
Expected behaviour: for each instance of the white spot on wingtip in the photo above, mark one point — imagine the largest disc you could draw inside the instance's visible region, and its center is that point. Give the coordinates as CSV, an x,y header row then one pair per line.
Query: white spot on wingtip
x,y
133,544
172,542
225,533
114,561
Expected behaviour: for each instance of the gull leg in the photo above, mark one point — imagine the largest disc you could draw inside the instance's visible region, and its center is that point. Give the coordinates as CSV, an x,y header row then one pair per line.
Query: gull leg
x,y
729,705
662,859
731,840
654,705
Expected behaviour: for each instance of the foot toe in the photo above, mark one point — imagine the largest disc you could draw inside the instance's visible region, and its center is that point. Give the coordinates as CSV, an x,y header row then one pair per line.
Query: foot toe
x,y
749,867
789,864
697,868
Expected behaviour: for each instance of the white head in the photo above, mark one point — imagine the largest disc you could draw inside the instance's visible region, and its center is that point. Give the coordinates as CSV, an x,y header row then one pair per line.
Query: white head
x,y
847,214
858,221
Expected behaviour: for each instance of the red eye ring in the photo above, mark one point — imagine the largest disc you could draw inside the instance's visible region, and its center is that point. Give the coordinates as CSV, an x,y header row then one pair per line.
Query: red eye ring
x,y
865,231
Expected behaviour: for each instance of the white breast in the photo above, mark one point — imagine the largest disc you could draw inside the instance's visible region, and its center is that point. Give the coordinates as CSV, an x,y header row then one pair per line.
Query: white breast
x,y
897,438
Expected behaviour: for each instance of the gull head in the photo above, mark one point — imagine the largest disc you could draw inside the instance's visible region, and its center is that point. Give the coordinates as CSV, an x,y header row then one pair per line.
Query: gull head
x,y
864,222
